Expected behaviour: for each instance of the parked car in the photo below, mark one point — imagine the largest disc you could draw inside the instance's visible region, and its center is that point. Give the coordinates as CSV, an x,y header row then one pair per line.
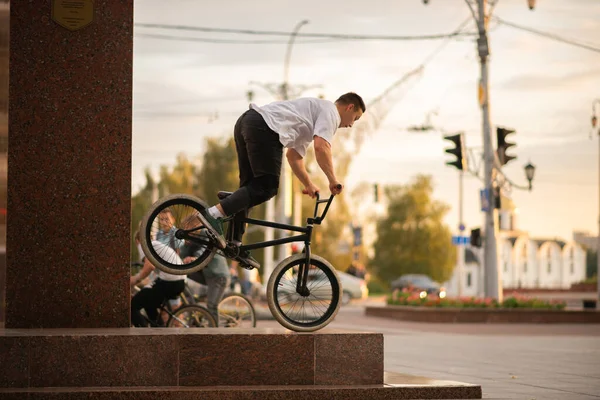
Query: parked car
x,y
352,287
420,283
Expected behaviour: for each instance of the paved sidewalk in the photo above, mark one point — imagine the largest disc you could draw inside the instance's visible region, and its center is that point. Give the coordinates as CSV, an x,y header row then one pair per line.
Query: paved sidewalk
x,y
509,361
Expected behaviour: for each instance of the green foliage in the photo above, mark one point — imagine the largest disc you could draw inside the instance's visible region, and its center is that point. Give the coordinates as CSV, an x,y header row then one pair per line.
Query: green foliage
x,y
412,237
375,286
219,169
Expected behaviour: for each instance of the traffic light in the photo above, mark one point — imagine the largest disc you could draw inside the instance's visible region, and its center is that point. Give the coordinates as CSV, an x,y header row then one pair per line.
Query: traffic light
x,y
459,151
503,145
476,237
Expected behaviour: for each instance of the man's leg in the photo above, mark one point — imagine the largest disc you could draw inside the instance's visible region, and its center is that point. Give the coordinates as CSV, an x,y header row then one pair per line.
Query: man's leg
x,y
149,299
216,289
241,200
260,157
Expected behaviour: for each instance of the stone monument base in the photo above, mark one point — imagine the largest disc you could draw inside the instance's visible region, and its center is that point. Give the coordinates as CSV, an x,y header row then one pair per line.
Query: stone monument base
x,y
174,363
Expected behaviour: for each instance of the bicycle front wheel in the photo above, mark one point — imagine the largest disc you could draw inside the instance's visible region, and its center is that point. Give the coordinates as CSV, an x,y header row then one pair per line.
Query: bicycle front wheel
x,y
236,311
171,226
310,311
193,316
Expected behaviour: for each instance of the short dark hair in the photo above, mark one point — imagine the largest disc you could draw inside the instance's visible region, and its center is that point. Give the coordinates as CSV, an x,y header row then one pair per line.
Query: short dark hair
x,y
352,98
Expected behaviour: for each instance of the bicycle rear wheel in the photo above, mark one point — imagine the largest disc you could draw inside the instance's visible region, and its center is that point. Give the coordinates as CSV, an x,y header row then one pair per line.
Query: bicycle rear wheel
x,y
193,316
310,312
170,226
236,311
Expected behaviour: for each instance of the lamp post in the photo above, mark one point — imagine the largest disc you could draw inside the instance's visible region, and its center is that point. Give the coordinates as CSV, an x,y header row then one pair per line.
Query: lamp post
x,y
529,173
595,103
277,211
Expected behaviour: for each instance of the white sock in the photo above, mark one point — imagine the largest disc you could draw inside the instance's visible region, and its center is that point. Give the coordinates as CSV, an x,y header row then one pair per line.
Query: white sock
x,y
215,213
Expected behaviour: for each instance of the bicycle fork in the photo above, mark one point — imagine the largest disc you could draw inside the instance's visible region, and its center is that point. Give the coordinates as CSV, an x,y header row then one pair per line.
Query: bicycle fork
x,y
301,284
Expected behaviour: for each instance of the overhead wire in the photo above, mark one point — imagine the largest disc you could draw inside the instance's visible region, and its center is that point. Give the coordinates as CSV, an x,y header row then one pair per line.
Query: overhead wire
x,y
303,35
547,35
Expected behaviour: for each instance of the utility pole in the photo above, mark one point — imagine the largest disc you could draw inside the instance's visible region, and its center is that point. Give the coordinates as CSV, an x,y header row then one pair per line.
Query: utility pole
x,y
492,273
461,229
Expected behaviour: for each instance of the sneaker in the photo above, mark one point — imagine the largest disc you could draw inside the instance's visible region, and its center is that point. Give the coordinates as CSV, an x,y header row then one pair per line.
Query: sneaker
x,y
214,226
247,261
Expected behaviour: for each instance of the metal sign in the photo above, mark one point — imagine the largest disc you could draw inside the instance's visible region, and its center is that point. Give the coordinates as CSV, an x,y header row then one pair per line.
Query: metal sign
x,y
459,240
73,14
485,199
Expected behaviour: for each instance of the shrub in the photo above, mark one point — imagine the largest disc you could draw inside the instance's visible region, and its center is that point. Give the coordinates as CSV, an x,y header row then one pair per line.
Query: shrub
x,y
513,301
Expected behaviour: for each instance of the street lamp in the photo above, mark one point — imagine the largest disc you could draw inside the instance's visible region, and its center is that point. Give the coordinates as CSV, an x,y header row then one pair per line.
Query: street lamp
x,y
529,173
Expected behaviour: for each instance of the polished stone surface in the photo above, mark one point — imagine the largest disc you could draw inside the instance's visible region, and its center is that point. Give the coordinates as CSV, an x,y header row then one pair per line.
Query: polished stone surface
x,y
189,357
395,386
69,168
360,363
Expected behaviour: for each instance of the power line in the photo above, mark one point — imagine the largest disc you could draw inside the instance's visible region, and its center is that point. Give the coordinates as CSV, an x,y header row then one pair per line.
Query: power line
x,y
305,35
547,35
227,41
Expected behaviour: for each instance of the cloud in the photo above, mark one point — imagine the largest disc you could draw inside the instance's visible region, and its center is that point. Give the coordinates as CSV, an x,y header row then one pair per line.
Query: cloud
x,y
547,82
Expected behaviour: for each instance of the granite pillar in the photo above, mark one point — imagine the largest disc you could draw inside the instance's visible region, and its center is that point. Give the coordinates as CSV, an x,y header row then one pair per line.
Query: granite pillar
x,y
69,165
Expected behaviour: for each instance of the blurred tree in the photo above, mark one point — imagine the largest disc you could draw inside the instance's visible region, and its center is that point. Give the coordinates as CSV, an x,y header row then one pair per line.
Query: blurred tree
x,y
219,169
181,178
412,237
140,203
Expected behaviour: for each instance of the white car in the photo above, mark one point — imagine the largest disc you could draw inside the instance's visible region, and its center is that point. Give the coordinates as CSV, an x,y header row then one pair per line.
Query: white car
x,y
352,287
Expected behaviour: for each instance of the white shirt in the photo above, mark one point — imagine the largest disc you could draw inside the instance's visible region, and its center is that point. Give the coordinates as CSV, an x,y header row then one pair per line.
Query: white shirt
x,y
297,121
167,254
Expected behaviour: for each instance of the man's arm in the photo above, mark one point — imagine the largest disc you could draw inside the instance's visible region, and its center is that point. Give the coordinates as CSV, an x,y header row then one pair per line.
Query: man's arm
x,y
297,163
325,161
324,158
142,274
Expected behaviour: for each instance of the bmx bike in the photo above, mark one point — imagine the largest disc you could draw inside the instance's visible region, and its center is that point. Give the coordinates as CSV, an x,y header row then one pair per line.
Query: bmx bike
x,y
303,292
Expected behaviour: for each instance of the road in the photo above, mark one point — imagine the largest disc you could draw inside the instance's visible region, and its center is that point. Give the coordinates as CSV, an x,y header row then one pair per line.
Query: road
x,y
509,361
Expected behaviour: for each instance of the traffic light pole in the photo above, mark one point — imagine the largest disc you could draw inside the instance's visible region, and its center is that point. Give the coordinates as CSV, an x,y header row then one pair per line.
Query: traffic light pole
x,y
492,286
461,228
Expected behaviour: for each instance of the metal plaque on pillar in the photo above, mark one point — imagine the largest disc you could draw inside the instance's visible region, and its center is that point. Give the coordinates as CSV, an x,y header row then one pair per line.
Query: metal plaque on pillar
x,y
73,14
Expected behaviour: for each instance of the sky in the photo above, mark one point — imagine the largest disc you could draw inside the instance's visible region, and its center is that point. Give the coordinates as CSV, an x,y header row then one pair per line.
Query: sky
x,y
186,90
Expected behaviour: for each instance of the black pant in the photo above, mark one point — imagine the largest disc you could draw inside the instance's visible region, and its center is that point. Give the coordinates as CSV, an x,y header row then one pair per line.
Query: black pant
x,y
260,156
150,299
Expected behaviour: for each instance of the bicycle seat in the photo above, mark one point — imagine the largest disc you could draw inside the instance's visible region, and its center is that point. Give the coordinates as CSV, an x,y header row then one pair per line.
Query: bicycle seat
x,y
221,195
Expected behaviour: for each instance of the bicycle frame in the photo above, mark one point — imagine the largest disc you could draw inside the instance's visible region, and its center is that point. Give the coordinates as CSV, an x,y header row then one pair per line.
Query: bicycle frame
x,y
305,236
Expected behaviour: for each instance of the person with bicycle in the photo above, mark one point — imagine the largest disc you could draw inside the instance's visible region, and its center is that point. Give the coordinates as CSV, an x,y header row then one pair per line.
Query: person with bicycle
x,y
215,276
165,287
260,135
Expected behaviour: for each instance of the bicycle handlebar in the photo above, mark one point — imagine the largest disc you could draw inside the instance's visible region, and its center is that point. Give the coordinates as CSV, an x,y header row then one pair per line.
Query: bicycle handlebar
x,y
317,219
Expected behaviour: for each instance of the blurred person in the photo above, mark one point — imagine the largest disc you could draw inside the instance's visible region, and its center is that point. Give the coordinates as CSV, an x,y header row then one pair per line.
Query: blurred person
x,y
260,135
164,287
215,275
167,230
